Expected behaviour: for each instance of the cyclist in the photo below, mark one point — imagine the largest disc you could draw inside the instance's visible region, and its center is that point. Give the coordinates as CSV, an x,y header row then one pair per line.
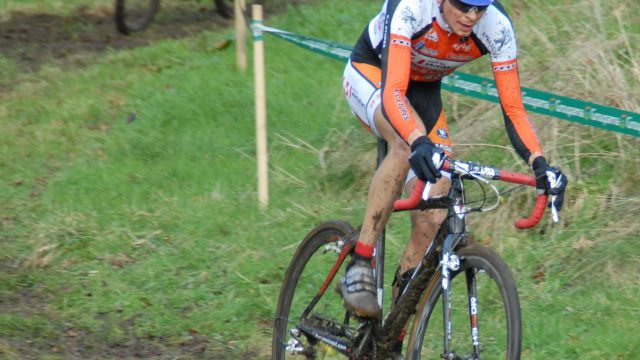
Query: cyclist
x,y
392,83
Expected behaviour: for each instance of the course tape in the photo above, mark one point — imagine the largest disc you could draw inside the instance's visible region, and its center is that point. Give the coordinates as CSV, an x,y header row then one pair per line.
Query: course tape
x,y
541,102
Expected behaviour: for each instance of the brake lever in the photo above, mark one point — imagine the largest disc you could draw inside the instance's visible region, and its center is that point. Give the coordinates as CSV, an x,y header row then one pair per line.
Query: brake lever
x,y
427,189
554,211
438,161
553,182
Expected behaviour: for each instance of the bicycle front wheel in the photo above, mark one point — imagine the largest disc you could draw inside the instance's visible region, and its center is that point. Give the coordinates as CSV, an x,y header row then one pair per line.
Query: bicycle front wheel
x,y
484,314
134,15
310,316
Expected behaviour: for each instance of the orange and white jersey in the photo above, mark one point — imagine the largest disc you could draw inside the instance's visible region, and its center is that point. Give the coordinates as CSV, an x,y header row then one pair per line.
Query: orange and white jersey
x,y
411,42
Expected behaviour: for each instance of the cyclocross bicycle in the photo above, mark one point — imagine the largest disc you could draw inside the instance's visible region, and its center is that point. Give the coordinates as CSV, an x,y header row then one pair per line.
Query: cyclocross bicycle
x,y
471,283
135,15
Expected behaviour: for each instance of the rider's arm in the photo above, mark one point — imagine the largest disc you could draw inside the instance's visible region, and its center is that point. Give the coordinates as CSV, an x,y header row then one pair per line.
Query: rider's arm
x,y
396,68
499,38
520,130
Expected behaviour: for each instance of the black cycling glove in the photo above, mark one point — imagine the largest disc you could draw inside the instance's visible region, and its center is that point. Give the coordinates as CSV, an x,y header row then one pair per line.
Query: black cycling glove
x,y
550,180
426,159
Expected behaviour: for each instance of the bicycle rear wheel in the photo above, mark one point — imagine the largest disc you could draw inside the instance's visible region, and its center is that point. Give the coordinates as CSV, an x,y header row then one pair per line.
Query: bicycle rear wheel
x,y
134,15
308,303
482,293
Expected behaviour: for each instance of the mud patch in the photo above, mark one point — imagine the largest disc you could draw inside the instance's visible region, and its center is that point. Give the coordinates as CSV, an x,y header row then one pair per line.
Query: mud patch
x,y
77,345
60,339
32,40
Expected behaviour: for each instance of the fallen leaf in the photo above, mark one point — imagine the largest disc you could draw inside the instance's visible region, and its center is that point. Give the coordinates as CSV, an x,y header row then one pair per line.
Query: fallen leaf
x,y
223,44
145,301
120,260
582,244
538,276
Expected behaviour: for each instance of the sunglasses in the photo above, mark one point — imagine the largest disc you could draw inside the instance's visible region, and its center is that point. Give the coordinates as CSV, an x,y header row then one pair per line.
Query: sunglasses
x,y
466,8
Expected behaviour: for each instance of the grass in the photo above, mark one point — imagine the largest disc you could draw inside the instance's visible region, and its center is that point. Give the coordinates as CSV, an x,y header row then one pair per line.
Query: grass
x,y
128,200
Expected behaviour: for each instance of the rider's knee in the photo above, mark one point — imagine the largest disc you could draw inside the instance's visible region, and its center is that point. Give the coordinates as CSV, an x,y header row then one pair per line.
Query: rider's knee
x,y
399,151
428,221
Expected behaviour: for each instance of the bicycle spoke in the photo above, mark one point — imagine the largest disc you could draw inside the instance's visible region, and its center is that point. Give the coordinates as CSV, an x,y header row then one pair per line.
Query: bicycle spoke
x,y
484,313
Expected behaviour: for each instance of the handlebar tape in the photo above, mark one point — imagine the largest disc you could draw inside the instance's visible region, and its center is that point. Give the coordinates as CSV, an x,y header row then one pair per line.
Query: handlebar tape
x,y
536,214
412,201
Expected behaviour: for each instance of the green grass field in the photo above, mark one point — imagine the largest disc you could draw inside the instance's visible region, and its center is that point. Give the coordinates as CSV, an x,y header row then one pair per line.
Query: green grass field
x,y
129,222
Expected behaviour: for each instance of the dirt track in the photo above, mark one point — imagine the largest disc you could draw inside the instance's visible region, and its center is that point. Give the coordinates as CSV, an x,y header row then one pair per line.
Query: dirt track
x,y
32,40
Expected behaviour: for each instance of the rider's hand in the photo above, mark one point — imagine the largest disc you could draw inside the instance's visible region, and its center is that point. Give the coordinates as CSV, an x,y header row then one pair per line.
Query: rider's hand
x,y
549,180
426,159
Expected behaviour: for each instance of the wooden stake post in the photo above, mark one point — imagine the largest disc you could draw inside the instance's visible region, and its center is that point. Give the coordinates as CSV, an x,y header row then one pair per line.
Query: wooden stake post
x,y
241,35
261,109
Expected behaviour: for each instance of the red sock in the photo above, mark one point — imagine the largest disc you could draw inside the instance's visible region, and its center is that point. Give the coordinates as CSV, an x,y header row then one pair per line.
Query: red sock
x,y
364,250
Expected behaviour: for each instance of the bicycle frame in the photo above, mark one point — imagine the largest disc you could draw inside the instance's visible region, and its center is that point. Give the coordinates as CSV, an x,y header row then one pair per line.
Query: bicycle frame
x,y
454,231
439,256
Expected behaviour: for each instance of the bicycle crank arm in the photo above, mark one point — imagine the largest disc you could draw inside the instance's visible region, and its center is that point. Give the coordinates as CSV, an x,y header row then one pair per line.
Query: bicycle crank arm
x,y
344,347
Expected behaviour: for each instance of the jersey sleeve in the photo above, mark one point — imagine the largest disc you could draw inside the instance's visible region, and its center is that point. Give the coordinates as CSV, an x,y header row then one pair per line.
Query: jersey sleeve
x,y
400,24
500,40
521,132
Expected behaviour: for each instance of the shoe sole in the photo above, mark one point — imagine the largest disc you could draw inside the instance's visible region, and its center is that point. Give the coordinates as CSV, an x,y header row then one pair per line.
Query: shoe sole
x,y
357,312
360,313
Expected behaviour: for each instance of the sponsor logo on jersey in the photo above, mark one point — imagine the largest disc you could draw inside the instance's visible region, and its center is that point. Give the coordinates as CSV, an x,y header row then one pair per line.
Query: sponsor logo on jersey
x,y
356,96
379,24
445,148
505,67
400,102
462,47
433,64
432,35
442,133
401,42
386,28
502,39
425,51
419,45
409,18
373,103
346,86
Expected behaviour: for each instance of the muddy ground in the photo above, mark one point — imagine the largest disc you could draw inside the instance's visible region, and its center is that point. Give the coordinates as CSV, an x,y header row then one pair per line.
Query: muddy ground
x,y
34,40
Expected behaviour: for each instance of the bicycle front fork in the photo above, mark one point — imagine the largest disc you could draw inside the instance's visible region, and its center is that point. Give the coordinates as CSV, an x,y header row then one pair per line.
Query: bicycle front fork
x,y
451,262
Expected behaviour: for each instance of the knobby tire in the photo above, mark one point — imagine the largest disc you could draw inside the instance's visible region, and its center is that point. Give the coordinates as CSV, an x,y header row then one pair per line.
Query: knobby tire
x,y
499,293
225,8
310,250
130,18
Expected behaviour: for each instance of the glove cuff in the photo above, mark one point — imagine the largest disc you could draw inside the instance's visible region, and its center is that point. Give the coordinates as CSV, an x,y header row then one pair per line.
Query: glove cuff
x,y
539,164
419,141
